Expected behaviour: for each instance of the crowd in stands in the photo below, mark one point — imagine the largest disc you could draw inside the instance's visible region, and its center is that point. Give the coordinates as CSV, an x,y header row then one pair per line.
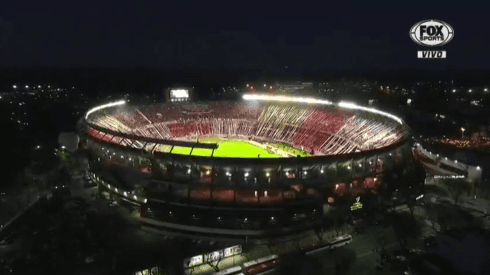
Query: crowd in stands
x,y
321,130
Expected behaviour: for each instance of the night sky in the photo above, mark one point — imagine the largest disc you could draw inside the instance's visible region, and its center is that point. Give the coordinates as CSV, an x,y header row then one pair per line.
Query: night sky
x,y
273,38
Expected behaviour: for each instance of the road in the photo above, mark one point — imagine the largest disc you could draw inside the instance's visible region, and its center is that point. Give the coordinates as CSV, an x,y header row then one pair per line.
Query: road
x,y
362,245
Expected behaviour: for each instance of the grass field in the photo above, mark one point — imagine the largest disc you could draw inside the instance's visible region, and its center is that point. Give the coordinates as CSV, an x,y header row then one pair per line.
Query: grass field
x,y
226,148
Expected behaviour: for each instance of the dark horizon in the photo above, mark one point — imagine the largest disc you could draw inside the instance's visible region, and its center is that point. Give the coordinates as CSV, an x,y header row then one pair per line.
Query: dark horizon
x,y
148,75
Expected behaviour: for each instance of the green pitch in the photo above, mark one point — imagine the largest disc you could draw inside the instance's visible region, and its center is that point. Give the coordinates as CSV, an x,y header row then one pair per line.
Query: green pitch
x,y
231,148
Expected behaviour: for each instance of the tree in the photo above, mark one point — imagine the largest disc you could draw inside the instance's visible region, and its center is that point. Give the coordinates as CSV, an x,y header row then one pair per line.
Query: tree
x,y
337,215
298,263
406,226
435,190
214,264
455,187
296,243
344,259
319,231
381,240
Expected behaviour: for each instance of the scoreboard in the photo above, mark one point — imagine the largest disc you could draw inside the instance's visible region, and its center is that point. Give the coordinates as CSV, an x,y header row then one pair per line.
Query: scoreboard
x,y
179,94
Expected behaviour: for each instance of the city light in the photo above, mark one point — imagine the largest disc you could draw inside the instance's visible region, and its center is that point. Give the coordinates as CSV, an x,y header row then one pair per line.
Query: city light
x,y
15,86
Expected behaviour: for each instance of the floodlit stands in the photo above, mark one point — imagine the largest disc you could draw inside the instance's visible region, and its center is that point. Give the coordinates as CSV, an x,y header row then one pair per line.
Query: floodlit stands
x,y
321,130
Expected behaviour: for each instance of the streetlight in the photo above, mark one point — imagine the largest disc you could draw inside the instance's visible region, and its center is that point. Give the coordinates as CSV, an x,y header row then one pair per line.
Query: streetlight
x,y
462,132
15,86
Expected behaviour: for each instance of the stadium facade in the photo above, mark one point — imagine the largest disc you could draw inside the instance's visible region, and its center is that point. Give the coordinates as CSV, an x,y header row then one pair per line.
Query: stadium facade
x,y
352,150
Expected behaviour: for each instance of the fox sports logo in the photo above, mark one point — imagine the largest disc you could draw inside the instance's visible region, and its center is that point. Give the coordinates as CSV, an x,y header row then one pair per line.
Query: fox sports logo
x,y
431,33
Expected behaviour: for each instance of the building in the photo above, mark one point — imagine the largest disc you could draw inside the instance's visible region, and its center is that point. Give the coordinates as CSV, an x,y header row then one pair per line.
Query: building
x,y
352,149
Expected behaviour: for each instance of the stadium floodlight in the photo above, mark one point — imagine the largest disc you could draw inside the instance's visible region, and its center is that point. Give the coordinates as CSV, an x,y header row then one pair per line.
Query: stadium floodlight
x,y
121,102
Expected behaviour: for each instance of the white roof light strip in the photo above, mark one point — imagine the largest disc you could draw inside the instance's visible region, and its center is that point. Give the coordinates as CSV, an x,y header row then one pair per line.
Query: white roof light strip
x,y
121,102
317,101
353,106
287,99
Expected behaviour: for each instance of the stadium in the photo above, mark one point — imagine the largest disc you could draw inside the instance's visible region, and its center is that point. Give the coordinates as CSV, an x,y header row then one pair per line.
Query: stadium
x,y
262,166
